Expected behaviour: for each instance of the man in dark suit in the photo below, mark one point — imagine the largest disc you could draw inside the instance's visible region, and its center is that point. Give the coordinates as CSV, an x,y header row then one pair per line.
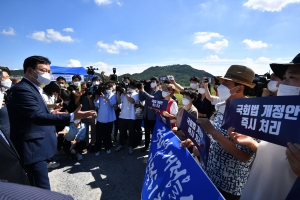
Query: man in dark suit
x,y
32,125
11,167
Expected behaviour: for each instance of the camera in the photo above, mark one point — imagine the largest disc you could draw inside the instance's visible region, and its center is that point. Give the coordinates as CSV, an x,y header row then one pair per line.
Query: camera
x,y
91,70
261,81
146,83
98,89
114,77
170,77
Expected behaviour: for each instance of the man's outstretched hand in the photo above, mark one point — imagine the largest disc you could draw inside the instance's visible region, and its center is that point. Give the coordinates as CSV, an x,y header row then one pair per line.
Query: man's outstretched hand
x,y
78,114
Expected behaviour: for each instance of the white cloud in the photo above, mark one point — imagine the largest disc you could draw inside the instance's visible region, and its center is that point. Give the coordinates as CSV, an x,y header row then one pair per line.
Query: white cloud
x,y
269,5
202,37
57,36
74,63
252,44
217,46
212,57
115,48
119,3
102,2
10,31
50,35
39,35
68,30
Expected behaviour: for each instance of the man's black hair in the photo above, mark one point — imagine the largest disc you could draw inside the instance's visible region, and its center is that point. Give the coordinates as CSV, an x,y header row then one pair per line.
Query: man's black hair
x,y
61,77
110,85
95,78
5,69
126,77
51,88
76,76
191,93
133,83
154,79
33,61
195,78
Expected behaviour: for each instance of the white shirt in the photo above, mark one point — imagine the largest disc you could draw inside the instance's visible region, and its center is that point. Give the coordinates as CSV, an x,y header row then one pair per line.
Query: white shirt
x,y
215,100
271,176
127,108
173,111
41,92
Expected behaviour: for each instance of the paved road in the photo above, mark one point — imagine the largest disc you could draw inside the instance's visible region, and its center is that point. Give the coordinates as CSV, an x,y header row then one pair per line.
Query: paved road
x,y
114,176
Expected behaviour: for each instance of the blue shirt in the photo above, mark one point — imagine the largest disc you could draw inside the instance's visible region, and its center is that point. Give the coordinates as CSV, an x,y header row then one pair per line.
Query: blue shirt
x,y
75,133
106,111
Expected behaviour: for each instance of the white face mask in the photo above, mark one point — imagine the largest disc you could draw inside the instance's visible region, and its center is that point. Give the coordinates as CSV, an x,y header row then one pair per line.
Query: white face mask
x,y
193,85
201,90
44,78
77,83
62,85
96,83
131,90
224,92
272,86
77,121
288,90
108,92
165,94
6,83
153,84
185,101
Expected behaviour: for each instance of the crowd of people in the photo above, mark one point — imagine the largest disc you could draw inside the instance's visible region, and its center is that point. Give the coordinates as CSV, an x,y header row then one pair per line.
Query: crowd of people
x,y
41,119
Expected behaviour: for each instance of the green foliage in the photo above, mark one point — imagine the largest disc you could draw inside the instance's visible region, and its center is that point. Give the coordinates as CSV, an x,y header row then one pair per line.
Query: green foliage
x,y
181,73
18,72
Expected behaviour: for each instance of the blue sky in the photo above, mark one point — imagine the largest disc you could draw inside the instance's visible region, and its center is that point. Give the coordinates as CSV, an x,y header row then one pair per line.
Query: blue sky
x,y
137,34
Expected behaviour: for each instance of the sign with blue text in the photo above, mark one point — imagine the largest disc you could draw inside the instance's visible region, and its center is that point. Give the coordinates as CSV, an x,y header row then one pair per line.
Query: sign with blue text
x,y
172,172
159,104
272,119
195,132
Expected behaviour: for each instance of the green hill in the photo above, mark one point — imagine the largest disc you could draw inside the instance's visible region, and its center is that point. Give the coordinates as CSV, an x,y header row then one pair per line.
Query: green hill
x,y
19,72
181,73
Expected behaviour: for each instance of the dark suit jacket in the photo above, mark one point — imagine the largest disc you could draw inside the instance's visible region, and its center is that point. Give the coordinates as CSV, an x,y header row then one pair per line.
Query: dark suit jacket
x,y
11,167
32,125
23,192
150,114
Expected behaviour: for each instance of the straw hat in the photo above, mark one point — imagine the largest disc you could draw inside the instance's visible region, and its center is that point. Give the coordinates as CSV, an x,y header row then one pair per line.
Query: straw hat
x,y
240,74
279,69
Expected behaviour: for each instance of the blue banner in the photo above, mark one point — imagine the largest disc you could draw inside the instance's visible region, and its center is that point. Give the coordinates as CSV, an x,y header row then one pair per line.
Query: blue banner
x,y
272,119
159,104
195,132
172,172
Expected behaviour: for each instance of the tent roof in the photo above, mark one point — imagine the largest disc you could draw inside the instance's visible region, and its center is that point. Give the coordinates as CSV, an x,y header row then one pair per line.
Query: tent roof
x,y
68,70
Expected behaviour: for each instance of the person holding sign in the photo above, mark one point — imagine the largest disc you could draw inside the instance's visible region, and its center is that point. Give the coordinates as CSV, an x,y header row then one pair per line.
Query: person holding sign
x,y
228,164
172,108
189,96
275,168
149,114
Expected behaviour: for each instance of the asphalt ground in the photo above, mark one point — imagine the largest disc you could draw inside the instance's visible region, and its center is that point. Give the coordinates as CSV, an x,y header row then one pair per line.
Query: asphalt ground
x,y
109,176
